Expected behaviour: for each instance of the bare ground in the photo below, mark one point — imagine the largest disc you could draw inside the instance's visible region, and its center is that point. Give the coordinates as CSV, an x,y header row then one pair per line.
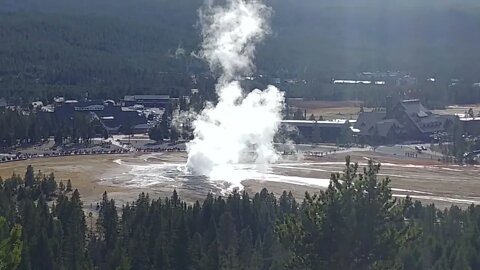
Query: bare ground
x,y
423,178
328,109
459,109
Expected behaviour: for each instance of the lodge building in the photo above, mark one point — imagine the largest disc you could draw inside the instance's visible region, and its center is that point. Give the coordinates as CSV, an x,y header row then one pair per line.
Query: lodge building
x,y
408,120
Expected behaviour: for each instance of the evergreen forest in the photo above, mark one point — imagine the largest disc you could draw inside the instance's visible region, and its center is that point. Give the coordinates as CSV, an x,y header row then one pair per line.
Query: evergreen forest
x,y
107,49
354,224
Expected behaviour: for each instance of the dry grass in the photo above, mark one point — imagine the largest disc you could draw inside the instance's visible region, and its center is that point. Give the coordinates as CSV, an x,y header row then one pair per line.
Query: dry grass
x,y
83,171
328,109
459,109
86,171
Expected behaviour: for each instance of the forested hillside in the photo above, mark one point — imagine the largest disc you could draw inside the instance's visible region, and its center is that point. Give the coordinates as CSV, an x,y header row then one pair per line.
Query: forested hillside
x,y
105,48
354,224
109,48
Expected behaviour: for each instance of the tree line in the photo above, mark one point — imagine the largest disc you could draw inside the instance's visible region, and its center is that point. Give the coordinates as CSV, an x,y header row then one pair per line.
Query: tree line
x,y
21,127
354,224
28,126
113,48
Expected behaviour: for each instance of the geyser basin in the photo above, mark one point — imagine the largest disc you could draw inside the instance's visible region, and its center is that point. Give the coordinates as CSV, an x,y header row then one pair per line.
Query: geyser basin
x,y
159,174
164,170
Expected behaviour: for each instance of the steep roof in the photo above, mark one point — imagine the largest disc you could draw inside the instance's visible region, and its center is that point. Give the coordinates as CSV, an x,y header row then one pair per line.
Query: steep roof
x,y
367,120
413,106
383,127
424,120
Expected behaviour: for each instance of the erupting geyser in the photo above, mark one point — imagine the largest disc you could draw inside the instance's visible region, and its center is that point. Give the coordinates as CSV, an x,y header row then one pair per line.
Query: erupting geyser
x,y
239,128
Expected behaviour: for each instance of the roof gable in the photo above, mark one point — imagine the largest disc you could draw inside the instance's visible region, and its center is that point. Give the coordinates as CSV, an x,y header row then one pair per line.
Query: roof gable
x,y
367,120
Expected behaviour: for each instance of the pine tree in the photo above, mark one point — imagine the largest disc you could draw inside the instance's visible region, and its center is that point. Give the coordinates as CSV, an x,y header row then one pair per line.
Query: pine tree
x,y
10,247
256,260
212,257
124,264
29,177
107,222
71,215
245,247
51,185
181,259
69,186
61,186
352,225
227,242
105,134
174,135
196,252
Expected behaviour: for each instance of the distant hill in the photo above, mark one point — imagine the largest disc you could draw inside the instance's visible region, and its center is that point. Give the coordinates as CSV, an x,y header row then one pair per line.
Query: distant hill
x,y
431,37
113,47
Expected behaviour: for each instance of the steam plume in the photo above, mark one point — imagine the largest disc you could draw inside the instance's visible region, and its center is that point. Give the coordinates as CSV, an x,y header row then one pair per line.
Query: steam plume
x,y
240,128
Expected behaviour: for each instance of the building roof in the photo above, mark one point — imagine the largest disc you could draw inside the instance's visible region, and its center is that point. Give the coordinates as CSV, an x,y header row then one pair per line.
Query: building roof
x,y
3,102
146,97
114,117
71,101
424,120
367,120
90,108
384,127
332,121
142,126
414,107
314,123
129,98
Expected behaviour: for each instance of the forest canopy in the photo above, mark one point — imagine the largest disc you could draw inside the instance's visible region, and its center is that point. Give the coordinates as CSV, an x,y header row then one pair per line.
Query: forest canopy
x,y
110,48
354,224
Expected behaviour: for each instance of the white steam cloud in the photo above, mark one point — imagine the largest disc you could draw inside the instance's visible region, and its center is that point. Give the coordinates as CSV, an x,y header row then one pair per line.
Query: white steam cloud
x,y
240,128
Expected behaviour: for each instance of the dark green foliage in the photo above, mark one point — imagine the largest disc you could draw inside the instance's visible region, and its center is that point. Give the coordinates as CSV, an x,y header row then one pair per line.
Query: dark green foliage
x,y
298,115
19,127
10,246
354,224
52,236
29,177
69,186
126,129
345,137
157,133
166,128
351,225
112,48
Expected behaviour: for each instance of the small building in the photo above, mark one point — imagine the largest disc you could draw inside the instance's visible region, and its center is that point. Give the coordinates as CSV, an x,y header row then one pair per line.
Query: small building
x,y
148,101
